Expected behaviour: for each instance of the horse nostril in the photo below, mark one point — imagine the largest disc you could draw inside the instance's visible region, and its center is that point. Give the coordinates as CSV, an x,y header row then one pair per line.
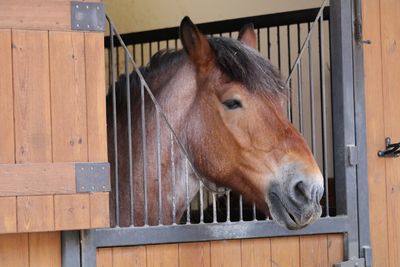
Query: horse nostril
x,y
301,189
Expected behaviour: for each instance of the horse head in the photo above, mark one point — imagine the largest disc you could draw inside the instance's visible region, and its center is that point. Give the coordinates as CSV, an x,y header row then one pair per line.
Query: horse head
x,y
238,133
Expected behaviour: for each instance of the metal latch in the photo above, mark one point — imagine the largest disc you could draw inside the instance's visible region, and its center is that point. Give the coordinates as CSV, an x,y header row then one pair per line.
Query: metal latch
x,y
391,150
87,16
352,154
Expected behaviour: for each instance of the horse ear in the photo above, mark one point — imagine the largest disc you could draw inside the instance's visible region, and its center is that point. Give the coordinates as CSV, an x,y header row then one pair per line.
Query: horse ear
x,y
196,45
248,36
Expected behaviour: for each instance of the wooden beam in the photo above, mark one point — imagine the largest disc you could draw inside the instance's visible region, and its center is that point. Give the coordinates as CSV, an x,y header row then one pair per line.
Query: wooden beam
x,y
30,179
36,14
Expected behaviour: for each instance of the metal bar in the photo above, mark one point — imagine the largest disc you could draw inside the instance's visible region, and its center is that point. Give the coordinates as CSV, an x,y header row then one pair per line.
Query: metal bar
x,y
323,113
343,118
70,249
187,191
228,206
117,57
173,178
150,51
160,211
128,236
258,40
241,207
130,153
319,15
269,43
362,168
254,212
214,203
141,55
201,202
311,80
144,150
114,108
278,33
289,98
299,82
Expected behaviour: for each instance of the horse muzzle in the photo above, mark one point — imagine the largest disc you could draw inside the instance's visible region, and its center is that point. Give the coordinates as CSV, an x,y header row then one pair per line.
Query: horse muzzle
x,y
296,204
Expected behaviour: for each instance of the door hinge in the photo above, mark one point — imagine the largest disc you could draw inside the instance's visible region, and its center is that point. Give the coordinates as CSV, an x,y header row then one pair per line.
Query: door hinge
x,y
360,262
352,263
87,16
352,155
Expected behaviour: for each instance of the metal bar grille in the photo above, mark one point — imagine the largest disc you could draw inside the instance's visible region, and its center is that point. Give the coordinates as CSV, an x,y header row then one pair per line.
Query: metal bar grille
x,y
213,216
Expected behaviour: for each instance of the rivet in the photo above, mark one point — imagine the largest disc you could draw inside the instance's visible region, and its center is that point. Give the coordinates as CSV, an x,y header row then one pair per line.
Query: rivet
x,y
77,6
82,168
92,187
91,168
88,26
87,7
102,168
98,8
82,187
77,25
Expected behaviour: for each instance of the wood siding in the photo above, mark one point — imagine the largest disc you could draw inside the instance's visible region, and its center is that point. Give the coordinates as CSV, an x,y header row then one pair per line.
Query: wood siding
x,y
382,85
46,98
43,90
307,251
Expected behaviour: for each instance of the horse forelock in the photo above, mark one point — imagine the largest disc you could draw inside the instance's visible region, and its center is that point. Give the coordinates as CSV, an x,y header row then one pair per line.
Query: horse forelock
x,y
245,65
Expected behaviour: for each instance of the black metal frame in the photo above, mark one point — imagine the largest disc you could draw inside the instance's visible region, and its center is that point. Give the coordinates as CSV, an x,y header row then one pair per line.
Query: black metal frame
x,y
231,25
350,174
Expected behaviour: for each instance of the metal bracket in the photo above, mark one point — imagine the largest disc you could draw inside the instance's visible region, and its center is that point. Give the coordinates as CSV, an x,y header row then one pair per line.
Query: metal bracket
x,y
352,152
391,150
87,16
352,263
367,250
92,177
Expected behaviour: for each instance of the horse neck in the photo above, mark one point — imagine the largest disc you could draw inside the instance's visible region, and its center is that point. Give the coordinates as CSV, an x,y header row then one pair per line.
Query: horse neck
x,y
175,99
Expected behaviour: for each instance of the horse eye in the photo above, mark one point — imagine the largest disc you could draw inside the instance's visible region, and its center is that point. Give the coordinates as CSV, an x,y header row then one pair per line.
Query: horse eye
x,y
232,104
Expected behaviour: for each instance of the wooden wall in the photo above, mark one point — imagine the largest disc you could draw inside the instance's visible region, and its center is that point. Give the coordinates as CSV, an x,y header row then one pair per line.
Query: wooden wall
x,y
381,25
305,251
52,100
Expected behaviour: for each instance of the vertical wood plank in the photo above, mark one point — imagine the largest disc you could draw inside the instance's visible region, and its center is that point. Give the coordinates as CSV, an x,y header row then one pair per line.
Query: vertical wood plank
x,y
375,130
194,254
104,257
69,121
45,249
6,100
129,257
96,120
99,210
285,251
96,97
390,36
32,120
336,249
14,250
226,253
68,96
8,215
31,96
256,252
72,211
35,213
314,251
165,255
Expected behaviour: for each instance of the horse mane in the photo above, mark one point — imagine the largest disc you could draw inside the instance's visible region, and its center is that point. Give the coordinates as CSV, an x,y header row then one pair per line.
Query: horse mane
x,y
237,61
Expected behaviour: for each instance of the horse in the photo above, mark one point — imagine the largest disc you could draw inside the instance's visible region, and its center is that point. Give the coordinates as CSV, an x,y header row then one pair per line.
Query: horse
x,y
225,104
